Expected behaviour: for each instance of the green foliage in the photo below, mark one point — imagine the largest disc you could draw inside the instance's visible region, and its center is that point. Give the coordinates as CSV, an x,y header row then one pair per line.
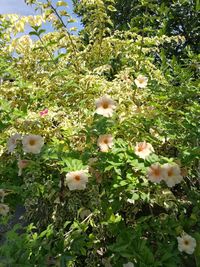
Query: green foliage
x,y
150,18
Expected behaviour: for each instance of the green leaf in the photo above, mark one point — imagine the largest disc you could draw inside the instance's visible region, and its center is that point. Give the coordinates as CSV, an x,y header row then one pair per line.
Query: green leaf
x,y
111,8
61,3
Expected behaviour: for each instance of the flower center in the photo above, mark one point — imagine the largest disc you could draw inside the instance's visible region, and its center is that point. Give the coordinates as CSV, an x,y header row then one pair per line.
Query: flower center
x,y
77,178
32,142
170,172
105,105
156,172
141,147
141,80
105,141
186,242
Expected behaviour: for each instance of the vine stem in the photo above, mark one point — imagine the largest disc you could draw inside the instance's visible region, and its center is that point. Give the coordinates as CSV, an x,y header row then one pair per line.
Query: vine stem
x,y
68,34
45,48
63,24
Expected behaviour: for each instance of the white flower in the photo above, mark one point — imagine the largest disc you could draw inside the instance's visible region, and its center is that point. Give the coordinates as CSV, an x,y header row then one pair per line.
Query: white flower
x,y
171,174
76,180
143,149
155,173
12,142
105,142
105,106
141,81
32,143
4,209
22,163
128,264
186,243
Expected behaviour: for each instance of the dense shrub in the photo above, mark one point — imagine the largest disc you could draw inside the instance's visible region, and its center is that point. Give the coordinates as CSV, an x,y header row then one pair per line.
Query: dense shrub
x,y
99,142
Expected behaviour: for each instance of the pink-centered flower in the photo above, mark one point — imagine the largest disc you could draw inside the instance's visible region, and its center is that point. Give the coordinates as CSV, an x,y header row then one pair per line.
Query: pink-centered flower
x,y
105,142
171,174
76,180
155,173
105,106
44,112
143,149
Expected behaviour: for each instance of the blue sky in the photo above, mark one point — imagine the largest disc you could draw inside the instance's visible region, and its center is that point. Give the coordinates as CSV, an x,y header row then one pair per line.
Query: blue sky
x,y
21,8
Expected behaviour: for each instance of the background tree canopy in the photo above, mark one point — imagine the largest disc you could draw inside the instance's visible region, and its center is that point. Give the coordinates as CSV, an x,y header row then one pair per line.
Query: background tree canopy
x,y
156,18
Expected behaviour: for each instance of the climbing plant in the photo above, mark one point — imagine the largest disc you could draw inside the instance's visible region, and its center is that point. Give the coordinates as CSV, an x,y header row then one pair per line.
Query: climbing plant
x,y
99,140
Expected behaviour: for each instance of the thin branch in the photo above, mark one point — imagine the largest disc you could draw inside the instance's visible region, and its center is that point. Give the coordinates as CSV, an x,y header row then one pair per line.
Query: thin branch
x,y
65,26
45,47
